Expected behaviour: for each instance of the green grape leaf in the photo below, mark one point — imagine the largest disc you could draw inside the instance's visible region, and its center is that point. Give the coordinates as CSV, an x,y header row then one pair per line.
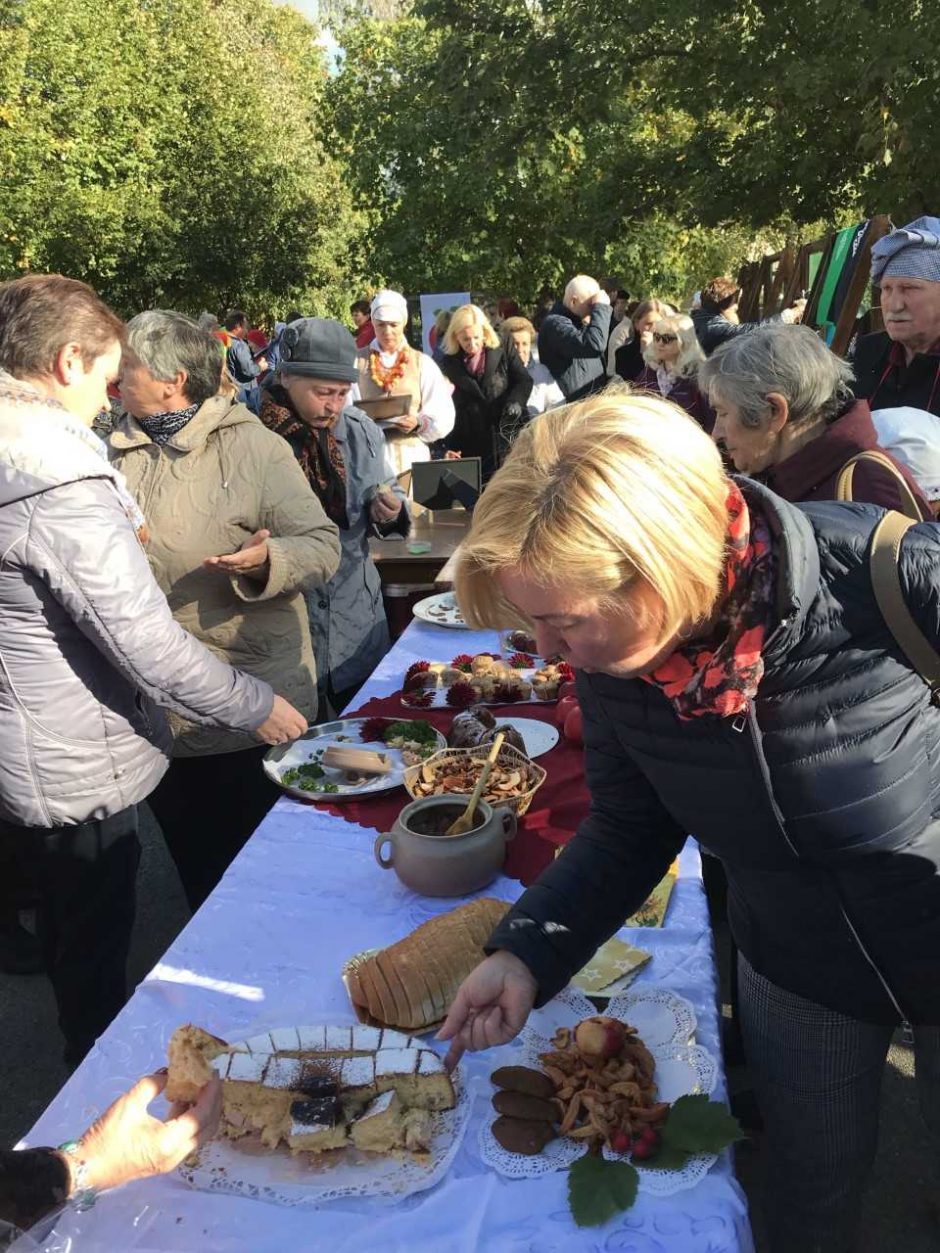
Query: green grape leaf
x,y
699,1125
598,1189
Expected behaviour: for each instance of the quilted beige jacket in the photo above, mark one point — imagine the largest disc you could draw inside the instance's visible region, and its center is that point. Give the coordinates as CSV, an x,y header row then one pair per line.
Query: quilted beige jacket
x,y
217,481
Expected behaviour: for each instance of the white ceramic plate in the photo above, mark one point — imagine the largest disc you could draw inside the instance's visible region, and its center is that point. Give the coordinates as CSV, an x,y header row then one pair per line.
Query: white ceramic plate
x,y
440,610
246,1168
317,740
539,737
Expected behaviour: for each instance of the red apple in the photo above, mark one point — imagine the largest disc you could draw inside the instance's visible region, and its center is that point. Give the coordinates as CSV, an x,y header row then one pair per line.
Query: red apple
x,y
574,726
564,708
599,1036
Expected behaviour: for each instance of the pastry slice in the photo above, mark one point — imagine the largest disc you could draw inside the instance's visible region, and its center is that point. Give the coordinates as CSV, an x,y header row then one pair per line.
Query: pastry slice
x,y
379,1128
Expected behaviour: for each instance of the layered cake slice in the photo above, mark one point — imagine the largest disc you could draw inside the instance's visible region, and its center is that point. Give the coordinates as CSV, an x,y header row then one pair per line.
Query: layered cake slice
x,y
387,1124
417,1075
317,1124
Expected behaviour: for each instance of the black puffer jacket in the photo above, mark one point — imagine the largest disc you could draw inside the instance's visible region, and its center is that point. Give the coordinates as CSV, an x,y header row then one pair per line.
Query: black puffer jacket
x,y
480,403
821,803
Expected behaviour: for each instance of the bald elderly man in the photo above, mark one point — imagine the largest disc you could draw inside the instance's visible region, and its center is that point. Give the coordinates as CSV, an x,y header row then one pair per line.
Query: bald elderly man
x,y
573,338
900,366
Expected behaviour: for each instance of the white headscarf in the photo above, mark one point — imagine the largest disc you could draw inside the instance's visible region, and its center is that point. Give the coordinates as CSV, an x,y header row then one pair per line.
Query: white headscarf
x,y
913,437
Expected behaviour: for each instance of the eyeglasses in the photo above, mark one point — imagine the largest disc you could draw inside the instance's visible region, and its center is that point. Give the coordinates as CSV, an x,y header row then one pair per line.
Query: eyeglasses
x,y
664,339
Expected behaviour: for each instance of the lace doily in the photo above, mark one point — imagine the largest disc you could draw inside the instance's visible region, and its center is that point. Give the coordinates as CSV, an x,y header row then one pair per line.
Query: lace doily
x,y
246,1168
681,1070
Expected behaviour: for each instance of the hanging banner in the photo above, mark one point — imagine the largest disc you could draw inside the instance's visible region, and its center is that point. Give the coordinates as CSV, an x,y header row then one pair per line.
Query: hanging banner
x,y
431,306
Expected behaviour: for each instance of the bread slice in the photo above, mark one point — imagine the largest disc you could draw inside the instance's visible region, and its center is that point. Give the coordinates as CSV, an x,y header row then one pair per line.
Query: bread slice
x,y
412,983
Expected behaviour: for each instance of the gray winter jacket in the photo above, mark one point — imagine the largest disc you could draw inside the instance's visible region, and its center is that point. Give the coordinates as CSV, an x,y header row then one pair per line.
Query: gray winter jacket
x,y
88,646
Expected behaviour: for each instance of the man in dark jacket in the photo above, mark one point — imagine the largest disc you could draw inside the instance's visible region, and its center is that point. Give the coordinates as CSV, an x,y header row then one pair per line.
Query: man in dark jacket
x,y
900,366
573,338
242,366
717,319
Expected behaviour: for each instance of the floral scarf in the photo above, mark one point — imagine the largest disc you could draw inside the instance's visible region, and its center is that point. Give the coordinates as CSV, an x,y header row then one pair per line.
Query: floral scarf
x,y
161,427
316,449
720,674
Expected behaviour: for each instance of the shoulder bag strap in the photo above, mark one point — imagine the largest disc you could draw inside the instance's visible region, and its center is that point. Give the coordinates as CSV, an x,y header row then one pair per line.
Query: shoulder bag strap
x,y
886,581
908,499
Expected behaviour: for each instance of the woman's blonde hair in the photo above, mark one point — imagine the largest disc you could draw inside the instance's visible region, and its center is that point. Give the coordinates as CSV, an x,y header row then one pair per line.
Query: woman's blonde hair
x,y
595,498
690,350
469,315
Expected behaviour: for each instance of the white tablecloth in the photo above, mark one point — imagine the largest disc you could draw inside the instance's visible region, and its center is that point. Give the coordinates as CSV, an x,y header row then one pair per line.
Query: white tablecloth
x,y
266,950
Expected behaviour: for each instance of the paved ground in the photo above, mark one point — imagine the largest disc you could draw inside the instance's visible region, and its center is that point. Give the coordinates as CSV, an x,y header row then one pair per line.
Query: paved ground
x,y
901,1212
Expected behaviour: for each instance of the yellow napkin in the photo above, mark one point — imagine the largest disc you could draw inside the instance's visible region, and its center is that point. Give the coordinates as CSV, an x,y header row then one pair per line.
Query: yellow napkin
x,y
653,910
612,961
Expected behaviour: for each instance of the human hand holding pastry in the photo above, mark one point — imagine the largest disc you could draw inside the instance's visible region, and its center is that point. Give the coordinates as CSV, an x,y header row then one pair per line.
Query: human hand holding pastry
x,y
127,1142
490,1008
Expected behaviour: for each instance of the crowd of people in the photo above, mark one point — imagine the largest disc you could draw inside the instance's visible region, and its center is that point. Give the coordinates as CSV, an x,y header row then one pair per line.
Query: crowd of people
x,y
185,515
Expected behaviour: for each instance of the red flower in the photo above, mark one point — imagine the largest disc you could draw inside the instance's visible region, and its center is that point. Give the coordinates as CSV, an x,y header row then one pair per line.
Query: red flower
x,y
461,695
374,729
417,700
417,667
521,661
463,661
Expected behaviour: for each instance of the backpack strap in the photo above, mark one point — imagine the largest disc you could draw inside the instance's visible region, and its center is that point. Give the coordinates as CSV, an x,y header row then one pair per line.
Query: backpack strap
x,y
886,582
844,485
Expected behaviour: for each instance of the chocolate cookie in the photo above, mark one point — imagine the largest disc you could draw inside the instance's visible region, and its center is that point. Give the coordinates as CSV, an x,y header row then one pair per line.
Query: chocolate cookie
x,y
523,1079
522,1135
522,1105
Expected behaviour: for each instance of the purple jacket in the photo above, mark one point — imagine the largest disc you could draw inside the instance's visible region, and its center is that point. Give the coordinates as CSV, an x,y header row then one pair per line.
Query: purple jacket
x,y
685,393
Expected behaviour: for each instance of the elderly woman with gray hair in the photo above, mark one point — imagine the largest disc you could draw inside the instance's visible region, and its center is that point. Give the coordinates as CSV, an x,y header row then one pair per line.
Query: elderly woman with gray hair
x,y
786,415
236,535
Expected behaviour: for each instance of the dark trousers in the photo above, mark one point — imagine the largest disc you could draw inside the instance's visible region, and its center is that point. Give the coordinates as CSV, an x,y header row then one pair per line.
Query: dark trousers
x,y
82,878
208,807
817,1075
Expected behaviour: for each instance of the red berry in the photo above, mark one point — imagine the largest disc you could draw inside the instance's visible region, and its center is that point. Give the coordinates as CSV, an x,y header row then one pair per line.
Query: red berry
x,y
649,1135
620,1141
642,1149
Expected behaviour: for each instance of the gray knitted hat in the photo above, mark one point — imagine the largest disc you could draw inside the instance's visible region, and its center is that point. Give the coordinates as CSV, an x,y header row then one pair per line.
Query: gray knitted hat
x,y
319,348
911,251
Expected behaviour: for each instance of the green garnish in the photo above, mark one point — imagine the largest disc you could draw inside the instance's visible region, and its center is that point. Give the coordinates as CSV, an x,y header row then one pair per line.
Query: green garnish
x,y
418,732
303,774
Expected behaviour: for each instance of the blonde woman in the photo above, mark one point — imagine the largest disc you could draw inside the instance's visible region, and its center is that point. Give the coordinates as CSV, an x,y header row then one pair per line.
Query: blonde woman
x,y
491,387
671,361
737,681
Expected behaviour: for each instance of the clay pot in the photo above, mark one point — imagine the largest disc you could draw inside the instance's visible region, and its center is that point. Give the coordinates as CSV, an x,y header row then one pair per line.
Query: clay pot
x,y
434,864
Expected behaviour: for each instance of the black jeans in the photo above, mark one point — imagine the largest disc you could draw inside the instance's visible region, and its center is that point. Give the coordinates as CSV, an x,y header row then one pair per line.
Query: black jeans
x,y
83,878
208,807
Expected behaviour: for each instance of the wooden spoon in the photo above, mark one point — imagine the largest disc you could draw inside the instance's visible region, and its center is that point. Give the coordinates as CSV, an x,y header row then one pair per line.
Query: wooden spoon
x,y
464,823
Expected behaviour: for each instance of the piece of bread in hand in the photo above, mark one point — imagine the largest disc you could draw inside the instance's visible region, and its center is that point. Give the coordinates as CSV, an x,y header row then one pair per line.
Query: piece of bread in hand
x,y
189,1055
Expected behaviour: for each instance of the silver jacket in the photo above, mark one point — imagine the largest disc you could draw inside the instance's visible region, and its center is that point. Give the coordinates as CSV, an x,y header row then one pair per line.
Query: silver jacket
x,y
88,646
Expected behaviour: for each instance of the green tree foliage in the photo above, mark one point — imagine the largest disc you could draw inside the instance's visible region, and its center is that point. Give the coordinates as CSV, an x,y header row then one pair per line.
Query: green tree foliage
x,y
169,153
504,145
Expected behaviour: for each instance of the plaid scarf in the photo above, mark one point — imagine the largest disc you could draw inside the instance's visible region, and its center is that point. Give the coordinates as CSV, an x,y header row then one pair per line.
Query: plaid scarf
x,y
720,674
316,449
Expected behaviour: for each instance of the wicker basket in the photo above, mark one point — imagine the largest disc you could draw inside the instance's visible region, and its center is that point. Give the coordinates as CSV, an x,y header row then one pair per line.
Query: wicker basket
x,y
509,757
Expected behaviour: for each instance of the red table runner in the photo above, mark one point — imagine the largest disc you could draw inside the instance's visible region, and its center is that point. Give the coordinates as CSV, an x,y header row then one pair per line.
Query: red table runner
x,y
557,808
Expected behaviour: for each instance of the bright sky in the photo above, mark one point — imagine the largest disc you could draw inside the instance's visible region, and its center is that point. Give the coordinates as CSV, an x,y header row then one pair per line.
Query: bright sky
x,y
309,9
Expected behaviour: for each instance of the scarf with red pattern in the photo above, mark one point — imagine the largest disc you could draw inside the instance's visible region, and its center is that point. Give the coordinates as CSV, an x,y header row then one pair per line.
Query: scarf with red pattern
x,y
720,674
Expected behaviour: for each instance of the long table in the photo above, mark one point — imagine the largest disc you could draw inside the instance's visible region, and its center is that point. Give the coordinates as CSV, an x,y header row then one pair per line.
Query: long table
x,y
266,950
